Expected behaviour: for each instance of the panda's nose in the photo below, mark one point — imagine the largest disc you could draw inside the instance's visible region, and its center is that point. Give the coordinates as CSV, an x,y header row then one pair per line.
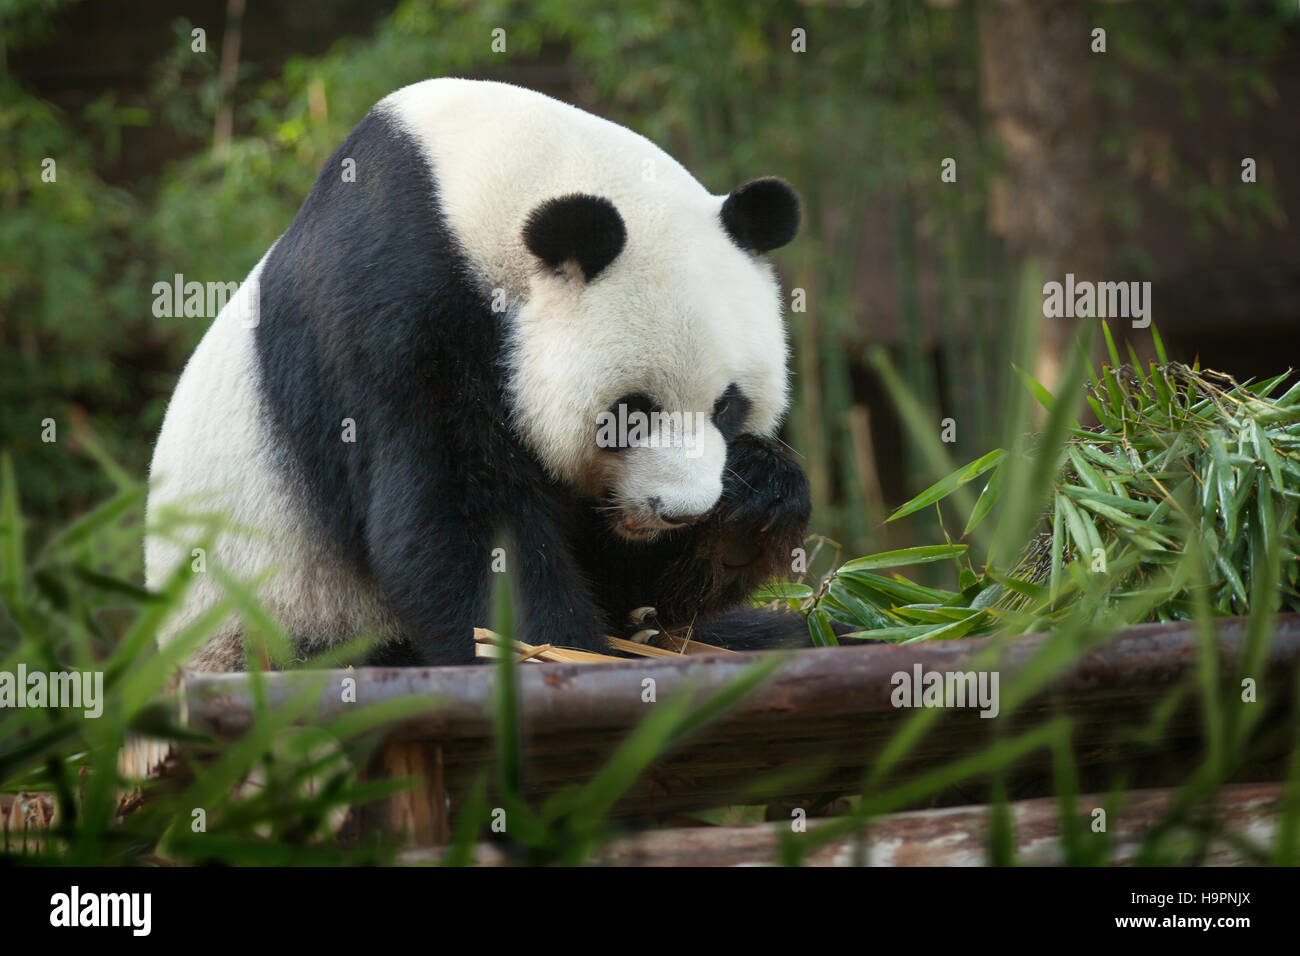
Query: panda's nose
x,y
674,517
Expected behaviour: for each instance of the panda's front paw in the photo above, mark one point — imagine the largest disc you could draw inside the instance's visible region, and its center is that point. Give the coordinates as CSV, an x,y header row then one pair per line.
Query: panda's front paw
x,y
764,491
643,624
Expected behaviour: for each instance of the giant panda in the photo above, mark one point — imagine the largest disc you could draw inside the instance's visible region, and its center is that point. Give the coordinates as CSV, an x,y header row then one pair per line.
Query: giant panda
x,y
417,367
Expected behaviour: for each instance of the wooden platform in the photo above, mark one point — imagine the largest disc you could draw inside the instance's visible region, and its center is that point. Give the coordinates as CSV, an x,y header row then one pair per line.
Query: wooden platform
x,y
825,713
949,836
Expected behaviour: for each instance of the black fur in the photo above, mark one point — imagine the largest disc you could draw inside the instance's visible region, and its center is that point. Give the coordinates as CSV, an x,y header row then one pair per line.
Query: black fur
x,y
370,312
730,411
692,575
579,228
753,629
761,215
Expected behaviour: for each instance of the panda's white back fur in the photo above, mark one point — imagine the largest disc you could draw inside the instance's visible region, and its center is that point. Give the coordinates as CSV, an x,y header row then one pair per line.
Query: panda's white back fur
x,y
216,456
682,304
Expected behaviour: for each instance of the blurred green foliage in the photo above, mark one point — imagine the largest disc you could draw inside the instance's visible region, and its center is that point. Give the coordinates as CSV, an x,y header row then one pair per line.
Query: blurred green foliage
x,y
277,794
857,123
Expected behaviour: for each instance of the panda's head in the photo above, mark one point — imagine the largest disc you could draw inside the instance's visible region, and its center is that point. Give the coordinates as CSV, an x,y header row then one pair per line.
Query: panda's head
x,y
649,338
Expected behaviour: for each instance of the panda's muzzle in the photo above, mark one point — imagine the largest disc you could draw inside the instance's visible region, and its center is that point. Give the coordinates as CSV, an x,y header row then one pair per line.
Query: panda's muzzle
x,y
675,520
649,519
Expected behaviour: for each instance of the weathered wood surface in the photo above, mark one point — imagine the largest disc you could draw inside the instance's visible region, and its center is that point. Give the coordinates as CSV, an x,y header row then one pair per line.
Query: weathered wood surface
x,y
827,711
949,836
25,819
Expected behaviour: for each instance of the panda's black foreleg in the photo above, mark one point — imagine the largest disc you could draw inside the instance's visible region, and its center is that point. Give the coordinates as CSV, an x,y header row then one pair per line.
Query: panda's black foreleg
x,y
557,605
430,558
430,536
757,529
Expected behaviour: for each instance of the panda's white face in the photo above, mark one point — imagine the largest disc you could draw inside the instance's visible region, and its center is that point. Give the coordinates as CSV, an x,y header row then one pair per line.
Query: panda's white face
x,y
629,385
621,275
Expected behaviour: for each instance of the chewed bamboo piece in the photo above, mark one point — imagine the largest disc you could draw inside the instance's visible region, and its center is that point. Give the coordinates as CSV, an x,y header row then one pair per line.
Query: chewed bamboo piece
x,y
488,644
681,645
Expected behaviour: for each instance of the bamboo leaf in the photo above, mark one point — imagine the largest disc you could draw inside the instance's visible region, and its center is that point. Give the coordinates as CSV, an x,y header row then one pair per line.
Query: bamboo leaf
x,y
1159,345
1110,345
12,561
1036,389
905,556
789,591
819,626
947,485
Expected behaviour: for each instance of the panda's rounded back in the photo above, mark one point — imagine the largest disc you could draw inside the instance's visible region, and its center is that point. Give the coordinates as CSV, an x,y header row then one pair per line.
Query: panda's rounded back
x,y
498,151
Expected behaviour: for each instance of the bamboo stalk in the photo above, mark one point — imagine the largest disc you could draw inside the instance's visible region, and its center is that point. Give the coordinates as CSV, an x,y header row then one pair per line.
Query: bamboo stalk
x,y
681,645
642,650
489,644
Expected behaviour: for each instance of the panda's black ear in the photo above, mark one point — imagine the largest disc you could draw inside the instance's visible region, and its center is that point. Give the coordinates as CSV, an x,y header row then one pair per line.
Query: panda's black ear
x,y
761,215
577,228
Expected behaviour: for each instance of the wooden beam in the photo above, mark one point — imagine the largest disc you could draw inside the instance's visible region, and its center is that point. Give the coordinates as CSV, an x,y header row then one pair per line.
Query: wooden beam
x,y
951,836
826,712
418,816
25,821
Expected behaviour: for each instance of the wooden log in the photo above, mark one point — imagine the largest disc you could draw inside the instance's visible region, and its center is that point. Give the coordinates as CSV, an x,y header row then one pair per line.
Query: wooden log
x,y
418,816
826,711
810,685
950,836
25,821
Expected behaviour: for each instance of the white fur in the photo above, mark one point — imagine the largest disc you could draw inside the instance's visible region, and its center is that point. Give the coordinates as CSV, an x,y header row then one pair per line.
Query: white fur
x,y
679,315
215,455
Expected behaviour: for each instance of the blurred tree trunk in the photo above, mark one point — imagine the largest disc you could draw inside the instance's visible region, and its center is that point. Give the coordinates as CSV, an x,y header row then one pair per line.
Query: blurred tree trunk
x,y
224,126
1036,87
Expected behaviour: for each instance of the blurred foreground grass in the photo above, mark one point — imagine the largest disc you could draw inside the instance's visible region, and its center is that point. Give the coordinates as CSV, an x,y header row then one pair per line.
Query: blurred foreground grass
x,y
1180,504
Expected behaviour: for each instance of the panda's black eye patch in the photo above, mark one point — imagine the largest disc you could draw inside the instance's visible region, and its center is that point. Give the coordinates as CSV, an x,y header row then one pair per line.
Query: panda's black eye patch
x,y
626,422
636,402
730,411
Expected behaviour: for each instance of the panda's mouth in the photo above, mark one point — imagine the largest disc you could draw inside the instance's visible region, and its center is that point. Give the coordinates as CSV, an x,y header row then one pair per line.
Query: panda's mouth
x,y
642,527
639,522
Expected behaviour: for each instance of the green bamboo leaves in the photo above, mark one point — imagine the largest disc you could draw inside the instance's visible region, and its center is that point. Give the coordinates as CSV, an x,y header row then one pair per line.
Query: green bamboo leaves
x,y
945,486
1183,465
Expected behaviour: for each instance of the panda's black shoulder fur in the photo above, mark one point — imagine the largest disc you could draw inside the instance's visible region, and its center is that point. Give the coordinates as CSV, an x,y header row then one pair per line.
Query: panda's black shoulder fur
x,y
365,287
370,314
374,327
